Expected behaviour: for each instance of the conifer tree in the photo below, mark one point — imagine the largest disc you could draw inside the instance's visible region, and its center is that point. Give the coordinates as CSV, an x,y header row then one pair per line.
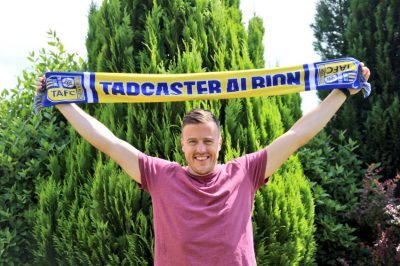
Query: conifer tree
x,y
374,39
371,122
330,23
101,217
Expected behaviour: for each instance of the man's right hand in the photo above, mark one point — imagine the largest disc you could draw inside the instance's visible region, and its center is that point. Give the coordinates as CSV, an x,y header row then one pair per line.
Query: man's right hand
x,y
40,84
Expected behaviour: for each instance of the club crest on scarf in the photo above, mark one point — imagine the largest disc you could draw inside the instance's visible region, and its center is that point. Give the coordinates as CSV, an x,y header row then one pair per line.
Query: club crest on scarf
x,y
330,73
65,88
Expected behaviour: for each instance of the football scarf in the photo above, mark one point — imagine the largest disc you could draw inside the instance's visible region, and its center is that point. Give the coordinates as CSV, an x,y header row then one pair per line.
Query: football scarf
x,y
97,87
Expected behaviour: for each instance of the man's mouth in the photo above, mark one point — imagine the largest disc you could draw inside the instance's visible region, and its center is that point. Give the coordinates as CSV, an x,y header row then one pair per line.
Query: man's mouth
x,y
201,158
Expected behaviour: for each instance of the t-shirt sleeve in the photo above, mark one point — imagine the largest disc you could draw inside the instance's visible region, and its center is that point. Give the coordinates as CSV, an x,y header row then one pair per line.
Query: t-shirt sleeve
x,y
151,171
256,164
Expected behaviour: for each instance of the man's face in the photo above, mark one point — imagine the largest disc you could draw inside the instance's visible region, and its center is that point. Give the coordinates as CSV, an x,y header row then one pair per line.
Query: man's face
x,y
201,144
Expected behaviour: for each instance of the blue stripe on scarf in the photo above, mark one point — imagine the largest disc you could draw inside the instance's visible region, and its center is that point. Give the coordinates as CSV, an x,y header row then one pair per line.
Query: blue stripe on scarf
x,y
306,77
93,87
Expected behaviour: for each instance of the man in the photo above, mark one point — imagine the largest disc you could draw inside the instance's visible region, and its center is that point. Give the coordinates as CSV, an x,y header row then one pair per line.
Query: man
x,y
202,212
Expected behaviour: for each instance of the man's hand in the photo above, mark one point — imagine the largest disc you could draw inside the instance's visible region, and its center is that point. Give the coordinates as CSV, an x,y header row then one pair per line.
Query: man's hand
x,y
366,73
40,84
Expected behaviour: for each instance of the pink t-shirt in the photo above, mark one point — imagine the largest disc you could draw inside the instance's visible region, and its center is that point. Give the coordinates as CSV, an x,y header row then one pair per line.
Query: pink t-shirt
x,y
203,220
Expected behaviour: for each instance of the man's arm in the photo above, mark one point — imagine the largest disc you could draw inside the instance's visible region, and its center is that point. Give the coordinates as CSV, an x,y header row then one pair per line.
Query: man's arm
x,y
100,137
305,129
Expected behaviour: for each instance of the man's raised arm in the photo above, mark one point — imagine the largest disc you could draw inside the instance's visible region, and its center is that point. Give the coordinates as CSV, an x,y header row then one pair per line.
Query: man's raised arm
x,y
305,128
100,137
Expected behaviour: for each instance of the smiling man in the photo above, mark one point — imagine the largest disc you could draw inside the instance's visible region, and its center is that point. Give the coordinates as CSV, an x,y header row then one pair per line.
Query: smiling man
x,y
201,141
202,212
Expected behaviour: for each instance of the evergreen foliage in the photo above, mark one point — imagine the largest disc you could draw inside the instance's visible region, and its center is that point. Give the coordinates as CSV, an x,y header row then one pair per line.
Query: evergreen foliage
x,y
330,24
374,39
91,213
284,219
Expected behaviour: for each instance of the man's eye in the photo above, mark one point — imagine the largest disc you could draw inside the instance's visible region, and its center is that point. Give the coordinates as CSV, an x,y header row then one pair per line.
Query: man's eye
x,y
192,142
208,142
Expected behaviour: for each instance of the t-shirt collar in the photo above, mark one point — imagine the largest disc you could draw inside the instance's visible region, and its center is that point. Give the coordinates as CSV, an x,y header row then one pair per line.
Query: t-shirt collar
x,y
205,178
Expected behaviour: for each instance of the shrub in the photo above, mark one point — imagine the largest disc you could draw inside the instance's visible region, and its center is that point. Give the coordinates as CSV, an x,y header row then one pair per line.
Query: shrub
x,y
27,145
377,215
335,174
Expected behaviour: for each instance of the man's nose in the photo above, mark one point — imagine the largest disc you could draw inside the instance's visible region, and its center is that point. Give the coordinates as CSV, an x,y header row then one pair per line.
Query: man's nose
x,y
201,147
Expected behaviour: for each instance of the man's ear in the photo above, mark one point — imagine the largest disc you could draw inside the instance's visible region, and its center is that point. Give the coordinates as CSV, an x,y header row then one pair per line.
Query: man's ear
x,y
219,143
182,145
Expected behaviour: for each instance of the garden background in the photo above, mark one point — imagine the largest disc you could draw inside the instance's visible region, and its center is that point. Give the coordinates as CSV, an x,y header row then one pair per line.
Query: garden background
x,y
333,203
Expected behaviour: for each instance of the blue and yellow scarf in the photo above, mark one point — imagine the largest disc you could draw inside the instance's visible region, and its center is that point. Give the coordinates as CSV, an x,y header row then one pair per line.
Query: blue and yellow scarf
x,y
90,87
